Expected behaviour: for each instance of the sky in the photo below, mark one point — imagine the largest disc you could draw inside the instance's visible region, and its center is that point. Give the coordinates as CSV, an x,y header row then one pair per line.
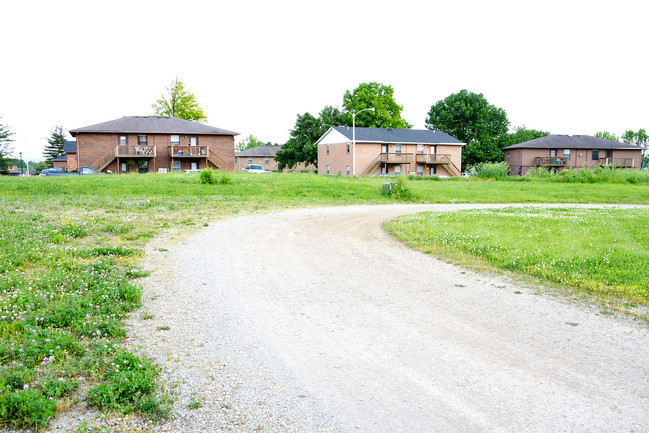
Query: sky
x,y
567,67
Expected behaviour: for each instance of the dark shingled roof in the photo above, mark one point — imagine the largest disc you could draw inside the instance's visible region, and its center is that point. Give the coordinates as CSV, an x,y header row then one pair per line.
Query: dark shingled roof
x,y
70,147
152,125
391,135
259,151
572,142
61,158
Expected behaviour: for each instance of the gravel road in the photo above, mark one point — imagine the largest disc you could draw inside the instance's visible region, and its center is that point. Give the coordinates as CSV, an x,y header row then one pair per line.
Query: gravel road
x,y
316,320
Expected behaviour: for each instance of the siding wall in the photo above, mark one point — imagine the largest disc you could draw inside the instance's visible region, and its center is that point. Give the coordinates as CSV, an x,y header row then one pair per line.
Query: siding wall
x,y
520,160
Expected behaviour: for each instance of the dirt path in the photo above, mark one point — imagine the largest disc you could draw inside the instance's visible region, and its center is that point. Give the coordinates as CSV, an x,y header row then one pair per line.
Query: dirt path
x,y
316,320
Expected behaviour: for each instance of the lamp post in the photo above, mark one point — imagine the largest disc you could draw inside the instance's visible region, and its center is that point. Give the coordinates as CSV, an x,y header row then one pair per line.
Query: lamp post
x,y
354,137
21,162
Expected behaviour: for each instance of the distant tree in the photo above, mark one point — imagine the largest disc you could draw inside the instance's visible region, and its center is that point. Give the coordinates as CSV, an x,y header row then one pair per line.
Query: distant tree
x,y
470,118
333,116
249,142
5,142
607,135
520,135
56,144
639,138
180,103
386,114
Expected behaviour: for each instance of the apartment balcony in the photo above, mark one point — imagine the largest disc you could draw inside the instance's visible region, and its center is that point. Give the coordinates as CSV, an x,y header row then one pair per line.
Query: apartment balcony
x,y
551,161
617,162
188,151
123,151
395,158
434,159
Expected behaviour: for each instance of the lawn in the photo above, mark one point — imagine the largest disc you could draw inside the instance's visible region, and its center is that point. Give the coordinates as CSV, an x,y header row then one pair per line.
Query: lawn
x,y
70,248
599,251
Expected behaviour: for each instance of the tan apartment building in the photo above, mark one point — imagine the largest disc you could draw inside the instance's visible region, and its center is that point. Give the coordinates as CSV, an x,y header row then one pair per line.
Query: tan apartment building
x,y
558,152
265,156
146,144
421,152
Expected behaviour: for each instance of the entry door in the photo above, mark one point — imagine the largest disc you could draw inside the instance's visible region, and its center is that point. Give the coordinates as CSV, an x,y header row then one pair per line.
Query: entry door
x,y
194,166
384,148
143,166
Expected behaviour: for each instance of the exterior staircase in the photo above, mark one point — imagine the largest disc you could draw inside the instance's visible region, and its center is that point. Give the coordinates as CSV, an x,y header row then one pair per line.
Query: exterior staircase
x,y
218,161
104,160
373,166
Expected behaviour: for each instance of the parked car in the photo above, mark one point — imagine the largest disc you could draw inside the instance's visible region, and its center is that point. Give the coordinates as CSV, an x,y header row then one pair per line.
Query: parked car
x,y
255,168
83,171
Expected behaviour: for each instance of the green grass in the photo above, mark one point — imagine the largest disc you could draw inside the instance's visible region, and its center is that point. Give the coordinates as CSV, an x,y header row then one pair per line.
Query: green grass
x,y
599,251
70,245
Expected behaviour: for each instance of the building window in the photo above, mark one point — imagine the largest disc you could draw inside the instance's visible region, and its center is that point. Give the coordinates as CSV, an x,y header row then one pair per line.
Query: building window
x,y
595,154
553,152
175,140
176,166
193,140
397,170
397,149
420,149
327,166
347,147
250,160
347,170
420,170
609,154
266,160
383,169
122,140
141,139
327,149
566,154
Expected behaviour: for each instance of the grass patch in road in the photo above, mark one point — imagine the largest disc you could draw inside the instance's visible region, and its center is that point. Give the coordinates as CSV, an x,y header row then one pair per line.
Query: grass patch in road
x,y
599,251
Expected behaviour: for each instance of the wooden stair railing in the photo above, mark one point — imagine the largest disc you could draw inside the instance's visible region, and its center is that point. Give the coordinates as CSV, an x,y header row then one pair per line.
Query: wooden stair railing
x,y
373,165
104,160
453,169
218,161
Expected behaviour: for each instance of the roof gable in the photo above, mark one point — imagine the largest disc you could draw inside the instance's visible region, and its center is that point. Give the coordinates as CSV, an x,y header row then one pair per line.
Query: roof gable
x,y
70,146
392,135
152,125
556,141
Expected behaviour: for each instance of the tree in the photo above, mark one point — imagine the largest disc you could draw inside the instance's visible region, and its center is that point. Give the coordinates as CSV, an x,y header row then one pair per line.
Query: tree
x,y
56,144
470,118
607,135
522,134
639,138
250,142
179,103
5,142
386,114
301,146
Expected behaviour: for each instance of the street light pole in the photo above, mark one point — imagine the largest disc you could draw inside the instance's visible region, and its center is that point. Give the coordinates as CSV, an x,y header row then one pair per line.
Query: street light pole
x,y
21,162
354,138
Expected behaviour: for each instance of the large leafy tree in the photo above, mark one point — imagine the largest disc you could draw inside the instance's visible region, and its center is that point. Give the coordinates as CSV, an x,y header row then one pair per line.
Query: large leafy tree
x,y
639,138
301,146
522,134
5,144
469,117
55,144
386,114
178,102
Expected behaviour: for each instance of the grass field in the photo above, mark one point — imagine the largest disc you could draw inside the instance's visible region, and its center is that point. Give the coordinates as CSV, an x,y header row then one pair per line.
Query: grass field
x,y
69,249
599,251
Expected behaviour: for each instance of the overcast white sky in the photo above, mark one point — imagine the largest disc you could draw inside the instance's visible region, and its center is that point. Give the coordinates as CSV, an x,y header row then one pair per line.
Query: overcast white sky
x,y
568,67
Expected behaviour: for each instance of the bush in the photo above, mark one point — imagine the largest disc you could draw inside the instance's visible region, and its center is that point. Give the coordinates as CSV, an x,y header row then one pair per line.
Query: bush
x,y
399,190
491,170
25,408
206,176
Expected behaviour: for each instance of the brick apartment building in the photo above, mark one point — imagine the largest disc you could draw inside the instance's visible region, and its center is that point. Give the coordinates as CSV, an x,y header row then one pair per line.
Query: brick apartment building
x,y
145,144
265,156
421,152
558,152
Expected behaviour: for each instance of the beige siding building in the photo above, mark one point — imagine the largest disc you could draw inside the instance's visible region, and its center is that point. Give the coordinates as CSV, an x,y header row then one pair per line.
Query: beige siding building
x,y
265,156
419,152
558,152
145,144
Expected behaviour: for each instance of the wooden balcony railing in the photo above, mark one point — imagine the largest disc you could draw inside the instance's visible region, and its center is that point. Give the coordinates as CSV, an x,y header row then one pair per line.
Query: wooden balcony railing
x,y
551,161
188,151
396,158
617,162
435,158
138,151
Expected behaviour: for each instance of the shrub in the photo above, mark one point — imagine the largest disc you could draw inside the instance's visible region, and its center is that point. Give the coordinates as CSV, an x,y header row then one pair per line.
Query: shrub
x,y
25,408
399,190
206,176
491,170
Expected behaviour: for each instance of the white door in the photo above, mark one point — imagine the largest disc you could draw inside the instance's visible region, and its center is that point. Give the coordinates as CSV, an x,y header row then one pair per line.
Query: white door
x,y
194,166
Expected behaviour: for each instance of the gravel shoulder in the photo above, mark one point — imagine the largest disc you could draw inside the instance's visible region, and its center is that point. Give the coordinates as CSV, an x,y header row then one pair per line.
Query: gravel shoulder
x,y
316,320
